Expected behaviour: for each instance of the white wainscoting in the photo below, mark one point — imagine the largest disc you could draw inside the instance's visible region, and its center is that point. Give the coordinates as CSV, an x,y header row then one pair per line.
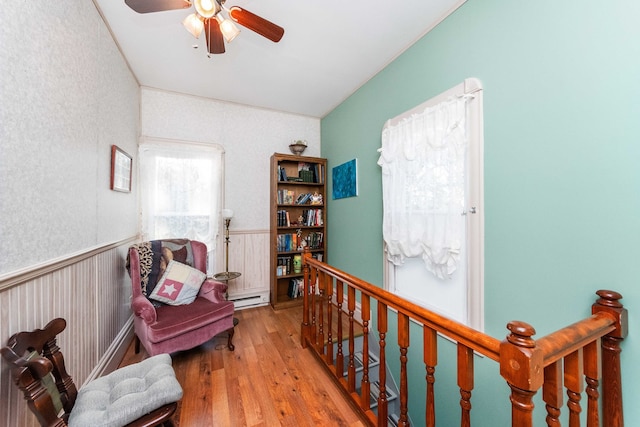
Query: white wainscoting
x,y
249,255
91,291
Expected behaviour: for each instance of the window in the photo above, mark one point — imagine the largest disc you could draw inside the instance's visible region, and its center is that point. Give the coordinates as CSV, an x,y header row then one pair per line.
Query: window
x,y
181,191
433,226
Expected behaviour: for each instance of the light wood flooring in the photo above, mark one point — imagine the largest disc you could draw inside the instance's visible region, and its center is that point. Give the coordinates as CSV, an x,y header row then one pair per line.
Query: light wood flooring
x,y
269,380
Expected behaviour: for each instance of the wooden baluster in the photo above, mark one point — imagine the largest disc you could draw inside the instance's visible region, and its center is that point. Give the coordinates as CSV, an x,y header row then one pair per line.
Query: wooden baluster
x,y
365,389
403,343
552,392
340,352
328,286
320,299
430,360
465,382
573,381
383,411
521,366
312,304
305,328
351,306
591,354
609,302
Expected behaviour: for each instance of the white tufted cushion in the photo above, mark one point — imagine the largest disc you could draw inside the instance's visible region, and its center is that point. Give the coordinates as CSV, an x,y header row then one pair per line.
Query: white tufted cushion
x,y
126,394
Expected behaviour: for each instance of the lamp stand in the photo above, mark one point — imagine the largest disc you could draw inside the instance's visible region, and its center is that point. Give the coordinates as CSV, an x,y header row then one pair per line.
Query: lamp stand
x,y
226,275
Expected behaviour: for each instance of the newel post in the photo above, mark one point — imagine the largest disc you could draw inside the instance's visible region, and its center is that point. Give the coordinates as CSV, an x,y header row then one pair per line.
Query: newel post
x,y
521,365
609,302
306,332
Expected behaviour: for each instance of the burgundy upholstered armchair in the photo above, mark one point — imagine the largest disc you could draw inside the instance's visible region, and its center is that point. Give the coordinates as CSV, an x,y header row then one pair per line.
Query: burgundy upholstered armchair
x,y
159,274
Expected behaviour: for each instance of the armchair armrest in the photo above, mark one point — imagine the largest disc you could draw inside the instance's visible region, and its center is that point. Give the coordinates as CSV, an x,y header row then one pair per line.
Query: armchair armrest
x,y
143,308
213,290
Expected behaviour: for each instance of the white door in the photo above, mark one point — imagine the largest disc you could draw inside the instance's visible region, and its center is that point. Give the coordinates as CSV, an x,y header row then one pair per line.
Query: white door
x,y
460,297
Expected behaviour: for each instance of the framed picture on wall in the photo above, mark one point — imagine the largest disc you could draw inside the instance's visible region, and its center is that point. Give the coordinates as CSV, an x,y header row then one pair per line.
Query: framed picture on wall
x,y
121,164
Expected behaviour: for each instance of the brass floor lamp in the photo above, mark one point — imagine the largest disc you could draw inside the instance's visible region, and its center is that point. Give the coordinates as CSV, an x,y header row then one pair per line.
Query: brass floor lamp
x,y
226,275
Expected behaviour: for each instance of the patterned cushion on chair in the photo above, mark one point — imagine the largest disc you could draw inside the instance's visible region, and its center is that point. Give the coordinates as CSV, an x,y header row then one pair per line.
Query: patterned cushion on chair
x,y
178,285
126,394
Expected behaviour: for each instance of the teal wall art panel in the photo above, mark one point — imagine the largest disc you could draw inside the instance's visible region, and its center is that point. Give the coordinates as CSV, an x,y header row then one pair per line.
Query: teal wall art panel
x,y
345,180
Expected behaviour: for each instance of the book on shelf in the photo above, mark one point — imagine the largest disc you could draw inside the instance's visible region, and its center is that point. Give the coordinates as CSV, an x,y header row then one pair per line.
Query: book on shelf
x,y
311,172
296,288
285,197
283,266
282,174
312,217
289,242
303,198
306,175
283,219
314,240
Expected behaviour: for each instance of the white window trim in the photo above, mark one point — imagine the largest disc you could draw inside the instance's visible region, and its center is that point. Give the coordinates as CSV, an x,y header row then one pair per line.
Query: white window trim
x,y
214,255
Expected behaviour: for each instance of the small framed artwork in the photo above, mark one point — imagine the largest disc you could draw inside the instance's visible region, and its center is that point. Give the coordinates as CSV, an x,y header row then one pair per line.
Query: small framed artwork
x,y
345,180
121,164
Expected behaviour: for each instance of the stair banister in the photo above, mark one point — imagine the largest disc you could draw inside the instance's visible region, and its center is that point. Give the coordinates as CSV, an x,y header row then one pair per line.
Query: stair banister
x,y
567,359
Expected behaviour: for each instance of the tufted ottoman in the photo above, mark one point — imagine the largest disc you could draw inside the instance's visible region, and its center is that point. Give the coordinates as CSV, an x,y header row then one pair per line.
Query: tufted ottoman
x,y
126,394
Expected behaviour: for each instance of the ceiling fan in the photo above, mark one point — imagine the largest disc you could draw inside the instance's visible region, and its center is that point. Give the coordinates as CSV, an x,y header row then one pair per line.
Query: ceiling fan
x,y
209,17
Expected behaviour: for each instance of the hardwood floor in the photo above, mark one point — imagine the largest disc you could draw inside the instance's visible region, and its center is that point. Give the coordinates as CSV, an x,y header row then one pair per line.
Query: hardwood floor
x,y
269,379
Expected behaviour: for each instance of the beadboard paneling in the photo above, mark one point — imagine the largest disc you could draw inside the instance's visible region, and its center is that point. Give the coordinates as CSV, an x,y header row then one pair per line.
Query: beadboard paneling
x,y
92,294
249,254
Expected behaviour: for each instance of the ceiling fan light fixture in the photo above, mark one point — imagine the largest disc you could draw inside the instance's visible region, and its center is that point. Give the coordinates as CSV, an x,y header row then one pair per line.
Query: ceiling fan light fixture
x,y
228,28
193,24
206,8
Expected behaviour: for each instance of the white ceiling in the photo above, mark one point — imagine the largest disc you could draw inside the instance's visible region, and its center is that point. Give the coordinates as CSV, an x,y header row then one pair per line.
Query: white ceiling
x,y
330,48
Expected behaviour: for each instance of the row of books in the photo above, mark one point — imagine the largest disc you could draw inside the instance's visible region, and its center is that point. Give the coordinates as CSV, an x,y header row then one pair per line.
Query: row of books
x,y
312,217
288,242
292,242
283,219
308,218
307,172
296,288
314,240
288,197
285,197
284,265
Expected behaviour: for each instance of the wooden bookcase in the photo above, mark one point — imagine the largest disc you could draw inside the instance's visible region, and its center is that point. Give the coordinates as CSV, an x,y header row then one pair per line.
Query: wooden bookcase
x,y
298,218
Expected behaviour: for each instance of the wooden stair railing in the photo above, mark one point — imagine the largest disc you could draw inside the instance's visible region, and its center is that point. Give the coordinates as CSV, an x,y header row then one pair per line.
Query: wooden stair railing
x,y
577,358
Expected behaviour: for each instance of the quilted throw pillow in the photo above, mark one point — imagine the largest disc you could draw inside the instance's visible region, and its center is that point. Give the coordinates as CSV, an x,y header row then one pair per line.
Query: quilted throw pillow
x,y
178,285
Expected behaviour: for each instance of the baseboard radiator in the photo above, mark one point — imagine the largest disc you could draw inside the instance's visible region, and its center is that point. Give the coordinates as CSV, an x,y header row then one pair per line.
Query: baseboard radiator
x,y
249,301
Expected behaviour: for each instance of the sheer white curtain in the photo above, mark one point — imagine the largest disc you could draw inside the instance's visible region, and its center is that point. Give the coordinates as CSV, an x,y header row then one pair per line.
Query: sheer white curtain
x,y
181,190
423,183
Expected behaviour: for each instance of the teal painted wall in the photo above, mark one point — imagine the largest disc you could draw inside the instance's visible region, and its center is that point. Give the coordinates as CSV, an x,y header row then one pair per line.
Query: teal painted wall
x,y
562,175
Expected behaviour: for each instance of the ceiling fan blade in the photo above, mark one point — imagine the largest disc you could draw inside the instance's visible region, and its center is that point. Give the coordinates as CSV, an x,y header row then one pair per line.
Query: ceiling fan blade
x,y
215,40
256,23
148,6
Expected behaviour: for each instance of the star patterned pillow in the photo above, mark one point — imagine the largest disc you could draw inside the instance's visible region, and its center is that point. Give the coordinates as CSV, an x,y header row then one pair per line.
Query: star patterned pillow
x,y
178,285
